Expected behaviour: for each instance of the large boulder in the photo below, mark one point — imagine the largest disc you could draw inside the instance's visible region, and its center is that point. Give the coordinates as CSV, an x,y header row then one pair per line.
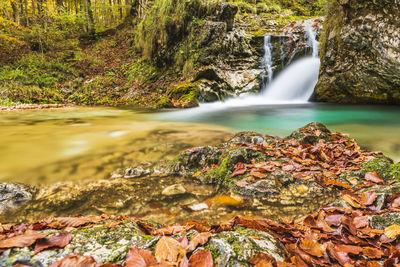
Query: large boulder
x,y
360,53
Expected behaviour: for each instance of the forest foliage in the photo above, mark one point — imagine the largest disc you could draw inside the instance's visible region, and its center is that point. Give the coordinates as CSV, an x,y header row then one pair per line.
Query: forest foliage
x,y
46,43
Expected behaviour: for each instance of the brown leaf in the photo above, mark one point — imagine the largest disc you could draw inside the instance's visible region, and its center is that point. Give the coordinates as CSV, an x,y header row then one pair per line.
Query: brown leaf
x,y
170,230
361,221
262,260
368,198
139,258
75,261
21,241
198,239
59,241
374,177
334,219
170,251
73,221
313,247
241,183
201,258
372,253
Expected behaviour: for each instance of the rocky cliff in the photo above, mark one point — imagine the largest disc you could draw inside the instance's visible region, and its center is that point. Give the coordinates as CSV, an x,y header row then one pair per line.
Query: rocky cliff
x,y
361,53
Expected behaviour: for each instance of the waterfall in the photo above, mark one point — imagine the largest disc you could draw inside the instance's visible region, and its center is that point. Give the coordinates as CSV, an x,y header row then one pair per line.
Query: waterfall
x,y
266,61
294,85
311,38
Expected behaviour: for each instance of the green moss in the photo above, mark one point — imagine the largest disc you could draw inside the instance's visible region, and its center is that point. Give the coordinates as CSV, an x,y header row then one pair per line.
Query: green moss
x,y
214,251
385,220
184,95
384,167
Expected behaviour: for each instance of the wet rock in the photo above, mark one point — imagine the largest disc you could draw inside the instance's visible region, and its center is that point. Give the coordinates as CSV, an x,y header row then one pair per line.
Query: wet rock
x,y
215,165
111,244
360,53
173,190
135,172
197,207
14,195
234,248
226,13
311,133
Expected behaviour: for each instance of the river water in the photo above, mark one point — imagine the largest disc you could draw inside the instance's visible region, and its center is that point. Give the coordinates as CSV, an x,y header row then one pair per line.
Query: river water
x,y
70,154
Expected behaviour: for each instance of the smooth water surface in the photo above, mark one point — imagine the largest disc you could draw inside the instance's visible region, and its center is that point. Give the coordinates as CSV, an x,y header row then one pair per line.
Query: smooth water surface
x,y
70,155
79,144
374,127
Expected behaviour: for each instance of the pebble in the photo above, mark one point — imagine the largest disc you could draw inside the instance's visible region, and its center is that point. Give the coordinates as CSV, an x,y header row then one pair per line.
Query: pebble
x,y
176,189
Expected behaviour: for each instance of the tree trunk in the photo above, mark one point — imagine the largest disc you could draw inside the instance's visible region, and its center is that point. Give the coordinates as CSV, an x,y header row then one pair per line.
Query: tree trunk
x,y
33,7
60,5
15,12
119,8
90,16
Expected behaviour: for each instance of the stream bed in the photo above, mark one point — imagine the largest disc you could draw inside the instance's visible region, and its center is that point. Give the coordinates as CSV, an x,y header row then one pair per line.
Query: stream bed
x,y
70,155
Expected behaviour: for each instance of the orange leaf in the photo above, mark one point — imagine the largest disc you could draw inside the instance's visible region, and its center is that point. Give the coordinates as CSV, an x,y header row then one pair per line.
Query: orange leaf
x,y
170,251
352,201
201,258
262,260
76,261
392,231
313,247
139,258
372,253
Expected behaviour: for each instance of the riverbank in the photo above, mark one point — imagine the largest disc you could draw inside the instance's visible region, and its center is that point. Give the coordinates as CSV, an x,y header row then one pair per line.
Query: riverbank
x,y
34,106
354,222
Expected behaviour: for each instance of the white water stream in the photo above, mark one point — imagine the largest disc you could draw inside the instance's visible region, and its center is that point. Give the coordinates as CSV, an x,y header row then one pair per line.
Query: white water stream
x,y
267,62
294,85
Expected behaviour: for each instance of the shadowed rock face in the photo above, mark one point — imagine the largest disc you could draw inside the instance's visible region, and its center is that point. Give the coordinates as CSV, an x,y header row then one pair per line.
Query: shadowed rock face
x,y
361,53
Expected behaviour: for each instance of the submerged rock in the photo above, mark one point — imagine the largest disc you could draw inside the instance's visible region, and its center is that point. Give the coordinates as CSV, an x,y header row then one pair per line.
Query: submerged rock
x,y
360,53
295,172
14,195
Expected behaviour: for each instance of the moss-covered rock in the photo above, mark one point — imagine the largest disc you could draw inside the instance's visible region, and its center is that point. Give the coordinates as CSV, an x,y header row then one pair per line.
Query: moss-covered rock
x,y
182,96
360,53
110,244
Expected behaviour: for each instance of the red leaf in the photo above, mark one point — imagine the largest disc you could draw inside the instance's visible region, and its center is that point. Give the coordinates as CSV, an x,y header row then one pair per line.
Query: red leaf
x,y
202,258
139,258
75,261
58,241
240,168
198,239
21,241
374,177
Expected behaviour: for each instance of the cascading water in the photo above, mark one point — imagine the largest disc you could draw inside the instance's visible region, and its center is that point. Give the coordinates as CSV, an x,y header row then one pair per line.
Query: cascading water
x,y
294,85
311,39
266,62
